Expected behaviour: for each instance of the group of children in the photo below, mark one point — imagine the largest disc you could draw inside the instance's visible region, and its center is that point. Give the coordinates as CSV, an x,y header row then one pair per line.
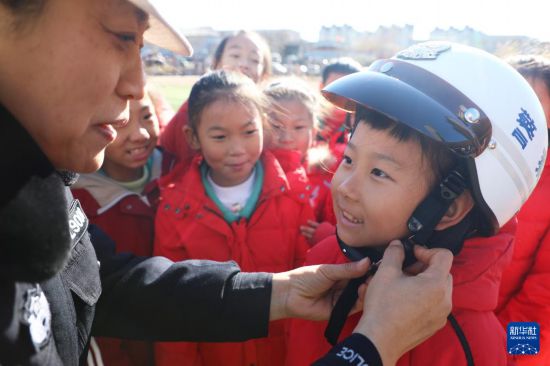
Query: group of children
x,y
261,172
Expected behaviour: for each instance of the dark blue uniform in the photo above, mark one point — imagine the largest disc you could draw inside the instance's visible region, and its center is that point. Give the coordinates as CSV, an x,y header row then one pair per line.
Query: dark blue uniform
x,y
56,289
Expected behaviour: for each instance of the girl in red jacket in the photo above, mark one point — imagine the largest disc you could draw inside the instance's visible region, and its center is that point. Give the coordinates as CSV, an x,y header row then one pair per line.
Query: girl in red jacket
x,y
121,199
525,289
435,158
244,51
231,202
293,115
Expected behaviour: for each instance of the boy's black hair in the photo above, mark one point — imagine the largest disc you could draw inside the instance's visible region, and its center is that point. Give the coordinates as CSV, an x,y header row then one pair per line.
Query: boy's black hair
x,y
344,66
226,85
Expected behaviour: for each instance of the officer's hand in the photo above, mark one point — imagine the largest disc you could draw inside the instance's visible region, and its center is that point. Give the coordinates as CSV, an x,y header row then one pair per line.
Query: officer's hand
x,y
311,292
401,311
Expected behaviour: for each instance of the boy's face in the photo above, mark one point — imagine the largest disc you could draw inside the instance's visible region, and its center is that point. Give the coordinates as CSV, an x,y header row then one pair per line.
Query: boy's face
x,y
135,142
377,186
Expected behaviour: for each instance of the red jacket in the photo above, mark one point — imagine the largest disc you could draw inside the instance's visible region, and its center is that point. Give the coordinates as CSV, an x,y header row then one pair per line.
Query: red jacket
x,y
525,288
172,138
320,175
476,274
190,226
128,218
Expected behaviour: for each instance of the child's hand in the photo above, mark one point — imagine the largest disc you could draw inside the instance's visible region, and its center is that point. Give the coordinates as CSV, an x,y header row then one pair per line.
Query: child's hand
x,y
316,232
309,230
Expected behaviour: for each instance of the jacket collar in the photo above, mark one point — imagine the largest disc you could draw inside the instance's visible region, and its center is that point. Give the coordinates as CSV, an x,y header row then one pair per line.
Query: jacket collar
x,y
21,158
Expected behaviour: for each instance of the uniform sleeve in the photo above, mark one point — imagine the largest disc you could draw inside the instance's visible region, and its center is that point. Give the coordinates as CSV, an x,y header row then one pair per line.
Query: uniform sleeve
x,y
157,299
354,350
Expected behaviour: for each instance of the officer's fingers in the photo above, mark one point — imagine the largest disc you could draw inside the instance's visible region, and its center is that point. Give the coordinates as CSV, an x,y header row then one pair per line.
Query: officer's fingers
x,y
439,260
394,255
346,271
415,268
361,291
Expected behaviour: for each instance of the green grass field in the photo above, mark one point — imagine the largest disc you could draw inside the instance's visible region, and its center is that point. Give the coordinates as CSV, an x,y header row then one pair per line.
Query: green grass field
x,y
175,89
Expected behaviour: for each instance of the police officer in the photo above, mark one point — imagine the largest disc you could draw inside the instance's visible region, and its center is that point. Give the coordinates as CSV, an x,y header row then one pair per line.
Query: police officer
x,y
67,72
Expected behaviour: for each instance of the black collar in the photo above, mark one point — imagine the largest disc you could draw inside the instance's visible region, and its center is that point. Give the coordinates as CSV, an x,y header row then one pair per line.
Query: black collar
x,y
20,157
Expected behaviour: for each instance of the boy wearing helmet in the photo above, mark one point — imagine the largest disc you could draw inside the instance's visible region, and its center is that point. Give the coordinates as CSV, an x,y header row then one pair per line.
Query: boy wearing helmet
x,y
448,143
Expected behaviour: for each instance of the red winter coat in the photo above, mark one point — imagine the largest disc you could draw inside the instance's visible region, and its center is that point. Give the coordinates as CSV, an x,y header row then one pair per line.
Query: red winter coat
x,y
128,218
190,226
476,275
525,288
172,138
320,175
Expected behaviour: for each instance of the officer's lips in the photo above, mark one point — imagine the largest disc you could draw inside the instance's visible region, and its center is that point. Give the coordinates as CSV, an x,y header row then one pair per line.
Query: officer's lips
x,y
108,129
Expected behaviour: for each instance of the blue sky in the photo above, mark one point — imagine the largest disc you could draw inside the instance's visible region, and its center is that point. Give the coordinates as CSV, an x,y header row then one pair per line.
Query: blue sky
x,y
504,17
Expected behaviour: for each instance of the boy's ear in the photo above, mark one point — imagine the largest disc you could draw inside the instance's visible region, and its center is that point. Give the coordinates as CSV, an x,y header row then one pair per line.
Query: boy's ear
x,y
191,137
457,211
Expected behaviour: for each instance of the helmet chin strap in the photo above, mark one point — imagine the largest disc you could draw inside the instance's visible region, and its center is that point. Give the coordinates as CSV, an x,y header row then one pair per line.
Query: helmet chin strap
x,y
422,223
429,212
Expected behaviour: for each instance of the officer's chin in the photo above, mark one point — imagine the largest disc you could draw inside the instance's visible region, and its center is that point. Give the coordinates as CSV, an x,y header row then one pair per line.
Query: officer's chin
x,y
88,162
33,227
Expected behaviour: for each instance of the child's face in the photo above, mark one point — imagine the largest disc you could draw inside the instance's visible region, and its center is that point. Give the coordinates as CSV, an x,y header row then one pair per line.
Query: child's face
x,y
135,142
292,126
377,186
242,54
230,137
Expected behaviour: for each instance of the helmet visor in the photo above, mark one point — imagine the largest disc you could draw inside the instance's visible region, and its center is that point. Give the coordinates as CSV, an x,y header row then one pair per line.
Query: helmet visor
x,y
408,94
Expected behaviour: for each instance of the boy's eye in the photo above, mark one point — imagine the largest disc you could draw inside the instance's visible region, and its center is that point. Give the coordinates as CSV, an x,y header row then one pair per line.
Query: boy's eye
x,y
379,173
276,126
255,61
251,132
298,128
218,137
346,160
148,117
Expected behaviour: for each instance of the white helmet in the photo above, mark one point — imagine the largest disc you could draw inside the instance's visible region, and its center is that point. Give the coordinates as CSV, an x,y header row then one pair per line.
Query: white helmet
x,y
469,100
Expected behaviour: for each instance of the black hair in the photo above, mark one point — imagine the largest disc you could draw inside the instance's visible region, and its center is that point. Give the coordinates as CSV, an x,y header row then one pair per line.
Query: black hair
x,y
344,66
533,67
223,85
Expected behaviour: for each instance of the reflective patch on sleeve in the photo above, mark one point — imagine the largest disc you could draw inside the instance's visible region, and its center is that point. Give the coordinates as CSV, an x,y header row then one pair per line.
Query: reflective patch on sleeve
x,y
37,316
